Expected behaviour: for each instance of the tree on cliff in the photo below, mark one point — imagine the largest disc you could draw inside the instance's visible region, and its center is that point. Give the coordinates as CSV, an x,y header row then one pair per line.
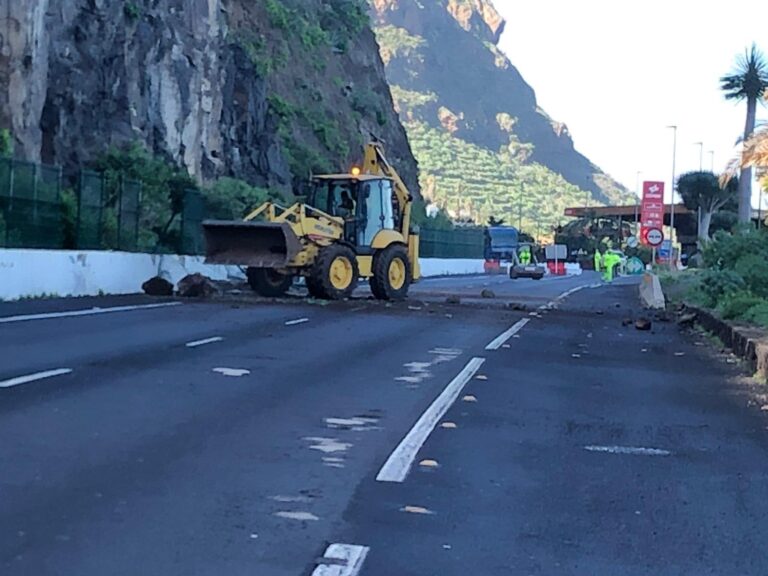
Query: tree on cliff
x,y
747,81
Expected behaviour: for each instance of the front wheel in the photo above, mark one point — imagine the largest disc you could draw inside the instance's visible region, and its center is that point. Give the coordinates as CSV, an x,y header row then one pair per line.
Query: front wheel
x,y
391,274
268,282
334,273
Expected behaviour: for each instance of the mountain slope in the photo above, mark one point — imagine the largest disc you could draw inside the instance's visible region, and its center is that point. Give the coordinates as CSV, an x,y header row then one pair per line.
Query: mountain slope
x,y
263,91
449,78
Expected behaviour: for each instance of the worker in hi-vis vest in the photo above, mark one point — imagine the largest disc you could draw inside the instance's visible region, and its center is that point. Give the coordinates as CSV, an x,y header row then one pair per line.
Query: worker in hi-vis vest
x,y
525,255
598,260
610,261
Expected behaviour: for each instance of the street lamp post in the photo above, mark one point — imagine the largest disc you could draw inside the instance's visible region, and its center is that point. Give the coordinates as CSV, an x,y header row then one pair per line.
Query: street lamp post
x,y
672,204
637,202
701,155
711,160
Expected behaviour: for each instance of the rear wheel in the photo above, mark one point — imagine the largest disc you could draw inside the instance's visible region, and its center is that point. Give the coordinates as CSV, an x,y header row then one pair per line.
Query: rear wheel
x,y
391,274
268,282
334,274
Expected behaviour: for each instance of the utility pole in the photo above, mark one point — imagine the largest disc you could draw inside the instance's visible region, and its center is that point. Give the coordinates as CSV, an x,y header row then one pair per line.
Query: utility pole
x,y
672,204
520,208
711,160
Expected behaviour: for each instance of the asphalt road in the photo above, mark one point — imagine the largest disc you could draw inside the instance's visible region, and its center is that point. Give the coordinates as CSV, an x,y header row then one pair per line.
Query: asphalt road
x,y
239,437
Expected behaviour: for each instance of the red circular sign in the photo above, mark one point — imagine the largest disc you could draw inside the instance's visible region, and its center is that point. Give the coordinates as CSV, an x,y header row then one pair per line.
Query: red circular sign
x,y
654,236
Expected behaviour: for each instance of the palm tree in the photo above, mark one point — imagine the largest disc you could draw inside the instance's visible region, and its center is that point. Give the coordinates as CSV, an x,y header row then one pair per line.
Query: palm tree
x,y
747,81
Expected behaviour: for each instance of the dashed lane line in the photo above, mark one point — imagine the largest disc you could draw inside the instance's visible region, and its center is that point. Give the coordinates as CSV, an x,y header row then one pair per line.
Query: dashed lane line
x,y
497,342
88,312
198,343
297,322
34,377
629,450
399,463
341,560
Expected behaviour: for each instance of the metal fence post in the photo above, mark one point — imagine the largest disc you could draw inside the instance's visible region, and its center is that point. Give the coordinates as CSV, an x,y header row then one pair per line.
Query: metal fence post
x,y
120,192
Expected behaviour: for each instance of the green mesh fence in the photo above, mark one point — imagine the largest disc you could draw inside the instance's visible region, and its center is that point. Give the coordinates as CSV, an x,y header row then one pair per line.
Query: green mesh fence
x,y
31,214
90,211
456,243
192,218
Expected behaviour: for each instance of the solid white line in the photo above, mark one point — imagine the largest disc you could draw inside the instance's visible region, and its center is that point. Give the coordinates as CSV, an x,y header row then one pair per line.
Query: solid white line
x,y
631,450
33,377
295,322
197,343
343,560
502,338
399,463
89,312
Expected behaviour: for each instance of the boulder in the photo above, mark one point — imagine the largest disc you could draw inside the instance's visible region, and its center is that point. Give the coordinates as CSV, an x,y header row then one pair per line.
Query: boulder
x,y
643,324
488,294
197,286
157,286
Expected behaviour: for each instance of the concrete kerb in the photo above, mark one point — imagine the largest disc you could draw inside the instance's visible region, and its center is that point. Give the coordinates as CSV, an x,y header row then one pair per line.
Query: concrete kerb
x,y
750,344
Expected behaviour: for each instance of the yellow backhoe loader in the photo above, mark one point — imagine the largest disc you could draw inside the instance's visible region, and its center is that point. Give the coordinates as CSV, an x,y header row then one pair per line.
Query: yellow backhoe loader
x,y
353,226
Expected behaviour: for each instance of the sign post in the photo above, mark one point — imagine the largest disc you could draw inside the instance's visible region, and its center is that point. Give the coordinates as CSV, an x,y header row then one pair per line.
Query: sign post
x,y
654,237
652,209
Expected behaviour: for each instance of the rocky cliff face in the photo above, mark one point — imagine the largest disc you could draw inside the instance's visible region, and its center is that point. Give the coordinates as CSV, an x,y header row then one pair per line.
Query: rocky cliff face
x,y
264,91
448,73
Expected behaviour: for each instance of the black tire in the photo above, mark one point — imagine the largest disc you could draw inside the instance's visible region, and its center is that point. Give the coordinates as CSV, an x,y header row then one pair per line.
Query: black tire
x,y
321,278
268,282
381,284
538,276
513,274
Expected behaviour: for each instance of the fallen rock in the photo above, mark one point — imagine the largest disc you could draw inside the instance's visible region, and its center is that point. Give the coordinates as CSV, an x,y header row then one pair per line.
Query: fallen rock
x,y
157,286
197,286
627,322
453,300
517,306
643,324
488,294
687,319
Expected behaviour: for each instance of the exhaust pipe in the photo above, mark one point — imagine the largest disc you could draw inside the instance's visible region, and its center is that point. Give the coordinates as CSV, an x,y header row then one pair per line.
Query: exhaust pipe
x,y
252,244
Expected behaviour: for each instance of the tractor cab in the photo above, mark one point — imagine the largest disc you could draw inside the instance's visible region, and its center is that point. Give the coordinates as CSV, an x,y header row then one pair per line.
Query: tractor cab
x,y
367,203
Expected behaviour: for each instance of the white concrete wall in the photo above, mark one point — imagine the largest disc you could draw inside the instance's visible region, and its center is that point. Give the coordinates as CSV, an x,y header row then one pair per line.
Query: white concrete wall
x,y
36,273
450,266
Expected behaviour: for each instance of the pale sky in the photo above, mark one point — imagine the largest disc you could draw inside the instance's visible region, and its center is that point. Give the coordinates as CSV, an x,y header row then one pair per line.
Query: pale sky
x,y
618,72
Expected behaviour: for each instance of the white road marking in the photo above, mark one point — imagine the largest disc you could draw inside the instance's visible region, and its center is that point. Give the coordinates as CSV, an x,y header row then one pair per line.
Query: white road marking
x,y
502,338
416,510
297,322
234,372
88,312
290,499
297,516
399,463
631,450
328,445
33,377
342,560
197,343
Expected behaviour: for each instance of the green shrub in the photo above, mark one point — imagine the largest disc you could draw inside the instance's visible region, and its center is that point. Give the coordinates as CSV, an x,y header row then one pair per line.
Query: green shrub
x,y
717,285
279,15
132,10
6,143
232,199
737,304
758,314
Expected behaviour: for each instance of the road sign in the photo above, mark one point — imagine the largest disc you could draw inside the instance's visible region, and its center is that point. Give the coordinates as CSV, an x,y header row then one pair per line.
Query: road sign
x,y
654,237
652,207
632,242
635,266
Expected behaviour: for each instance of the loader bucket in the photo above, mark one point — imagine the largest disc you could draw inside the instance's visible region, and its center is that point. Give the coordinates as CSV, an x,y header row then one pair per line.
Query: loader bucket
x,y
257,244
